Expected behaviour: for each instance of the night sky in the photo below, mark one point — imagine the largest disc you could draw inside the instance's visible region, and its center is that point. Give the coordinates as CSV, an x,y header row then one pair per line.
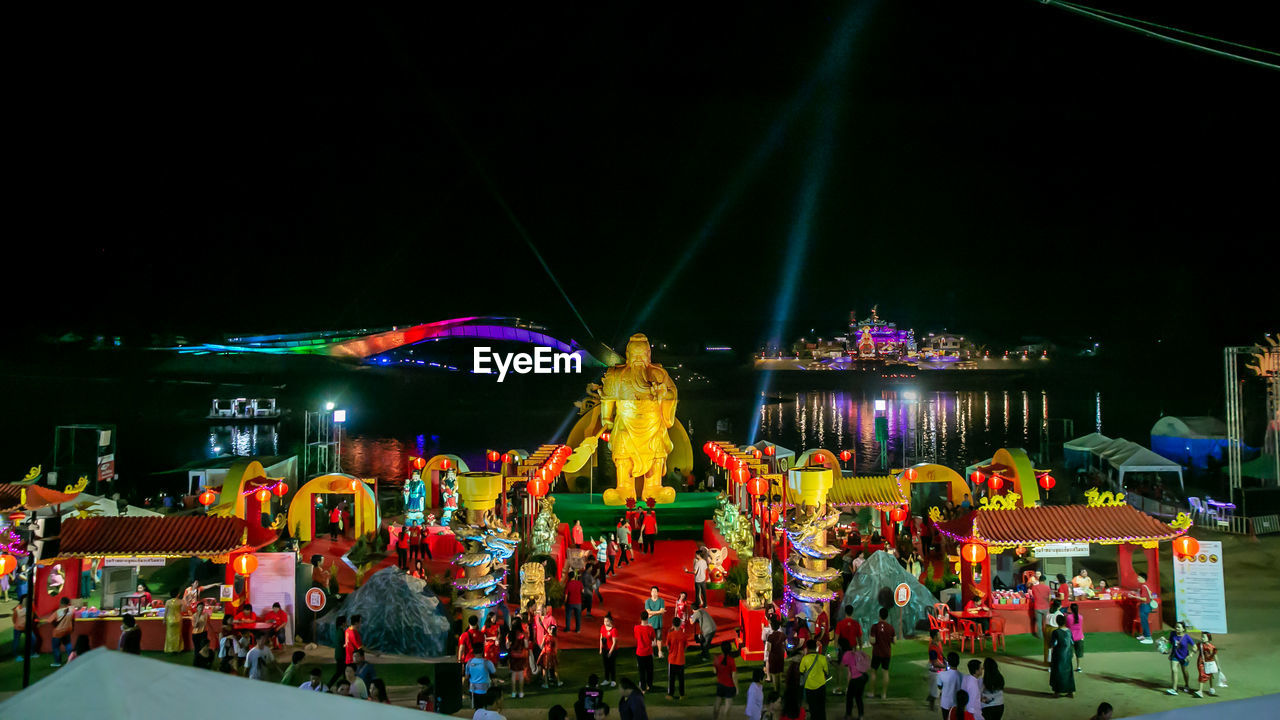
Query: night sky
x,y
1001,168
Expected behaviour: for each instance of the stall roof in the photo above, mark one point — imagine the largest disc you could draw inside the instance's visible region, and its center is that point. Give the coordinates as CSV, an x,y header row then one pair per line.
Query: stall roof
x,y
1059,523
1088,442
36,497
865,491
185,536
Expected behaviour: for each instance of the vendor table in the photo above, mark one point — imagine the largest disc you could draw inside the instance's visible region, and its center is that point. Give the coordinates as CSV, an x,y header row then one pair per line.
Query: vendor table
x,y
1113,615
105,632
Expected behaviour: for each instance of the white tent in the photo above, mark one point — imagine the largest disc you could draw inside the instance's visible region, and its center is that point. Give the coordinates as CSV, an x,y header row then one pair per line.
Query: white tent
x,y
110,684
1143,460
1088,442
1255,707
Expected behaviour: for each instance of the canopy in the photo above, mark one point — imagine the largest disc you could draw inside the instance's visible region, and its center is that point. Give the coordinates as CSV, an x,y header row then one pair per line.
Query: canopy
x,y
1202,426
1057,524
1263,466
1087,442
108,683
1143,460
1076,452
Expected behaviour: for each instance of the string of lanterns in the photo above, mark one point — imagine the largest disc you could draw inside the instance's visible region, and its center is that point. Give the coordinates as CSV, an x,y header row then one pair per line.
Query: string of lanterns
x,y
544,477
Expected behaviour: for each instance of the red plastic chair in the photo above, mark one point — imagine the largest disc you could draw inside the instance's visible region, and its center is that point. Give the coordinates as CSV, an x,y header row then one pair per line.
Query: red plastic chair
x,y
997,632
971,632
942,626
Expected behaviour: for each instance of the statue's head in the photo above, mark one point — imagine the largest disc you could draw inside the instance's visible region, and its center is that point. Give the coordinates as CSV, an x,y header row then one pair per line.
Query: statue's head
x,y
638,352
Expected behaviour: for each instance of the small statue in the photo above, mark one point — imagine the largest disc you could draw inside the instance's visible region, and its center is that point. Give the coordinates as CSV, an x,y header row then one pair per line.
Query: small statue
x,y
545,526
533,584
449,493
759,583
415,497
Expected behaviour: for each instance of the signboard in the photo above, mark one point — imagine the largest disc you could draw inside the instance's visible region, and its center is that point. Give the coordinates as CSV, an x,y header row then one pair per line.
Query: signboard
x,y
226,593
106,468
1062,550
901,595
1198,590
315,599
275,582
145,560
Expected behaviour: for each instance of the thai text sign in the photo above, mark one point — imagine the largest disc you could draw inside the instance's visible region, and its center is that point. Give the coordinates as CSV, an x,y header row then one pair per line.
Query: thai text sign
x,y
1198,589
1070,549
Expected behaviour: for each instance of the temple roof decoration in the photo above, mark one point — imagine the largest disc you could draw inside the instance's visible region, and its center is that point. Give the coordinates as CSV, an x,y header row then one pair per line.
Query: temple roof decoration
x,y
1059,524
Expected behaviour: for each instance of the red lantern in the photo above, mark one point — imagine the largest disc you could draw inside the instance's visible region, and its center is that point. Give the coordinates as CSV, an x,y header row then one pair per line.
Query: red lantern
x,y
818,460
8,564
768,450
280,490
208,497
997,482
741,475
17,517
755,453
911,474
418,463
977,477
445,464
245,564
706,448
1186,546
845,455
263,495
1047,482
898,514
758,486
538,487
973,552
354,484
605,436
493,455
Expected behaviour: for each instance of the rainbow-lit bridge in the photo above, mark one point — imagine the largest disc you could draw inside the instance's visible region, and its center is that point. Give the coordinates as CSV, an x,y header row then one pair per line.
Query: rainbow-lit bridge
x,y
370,344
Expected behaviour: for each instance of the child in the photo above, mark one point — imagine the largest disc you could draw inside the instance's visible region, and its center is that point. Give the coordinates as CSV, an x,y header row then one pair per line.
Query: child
x,y
294,662
937,663
550,659
426,695
755,695
683,610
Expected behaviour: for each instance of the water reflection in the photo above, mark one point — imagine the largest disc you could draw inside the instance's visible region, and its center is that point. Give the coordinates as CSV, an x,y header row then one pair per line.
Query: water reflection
x,y
244,440
938,427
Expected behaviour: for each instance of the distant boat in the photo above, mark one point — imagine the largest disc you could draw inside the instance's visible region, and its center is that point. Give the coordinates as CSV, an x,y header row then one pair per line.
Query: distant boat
x,y
244,410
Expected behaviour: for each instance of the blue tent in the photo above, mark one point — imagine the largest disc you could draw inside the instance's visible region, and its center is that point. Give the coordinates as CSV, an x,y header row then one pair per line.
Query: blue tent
x,y
1190,441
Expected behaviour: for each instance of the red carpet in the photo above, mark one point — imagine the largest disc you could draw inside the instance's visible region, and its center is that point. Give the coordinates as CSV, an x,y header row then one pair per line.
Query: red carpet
x,y
625,593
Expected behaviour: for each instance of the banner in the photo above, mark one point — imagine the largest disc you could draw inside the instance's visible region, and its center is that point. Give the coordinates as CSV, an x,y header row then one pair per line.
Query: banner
x,y
273,582
1062,550
1198,593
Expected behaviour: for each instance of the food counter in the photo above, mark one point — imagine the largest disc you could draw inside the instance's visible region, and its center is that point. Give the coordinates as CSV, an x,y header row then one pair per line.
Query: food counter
x,y
104,631
1100,615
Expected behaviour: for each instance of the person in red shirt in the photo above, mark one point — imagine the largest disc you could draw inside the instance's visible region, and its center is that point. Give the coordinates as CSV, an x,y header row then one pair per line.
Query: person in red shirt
x,y
573,604
335,523
472,635
278,619
882,635
402,548
675,643
492,636
726,681
353,640
820,628
645,636
1040,603
245,615
650,531
978,604
608,650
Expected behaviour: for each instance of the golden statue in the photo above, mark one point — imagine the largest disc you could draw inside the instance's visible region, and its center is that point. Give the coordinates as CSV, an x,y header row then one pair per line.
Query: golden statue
x,y
759,582
637,406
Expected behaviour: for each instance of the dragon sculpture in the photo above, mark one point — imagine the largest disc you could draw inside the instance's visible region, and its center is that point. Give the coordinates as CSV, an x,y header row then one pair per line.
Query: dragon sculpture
x,y
488,545
807,566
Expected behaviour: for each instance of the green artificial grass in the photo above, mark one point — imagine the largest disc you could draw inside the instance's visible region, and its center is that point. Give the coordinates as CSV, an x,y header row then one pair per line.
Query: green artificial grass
x,y
907,677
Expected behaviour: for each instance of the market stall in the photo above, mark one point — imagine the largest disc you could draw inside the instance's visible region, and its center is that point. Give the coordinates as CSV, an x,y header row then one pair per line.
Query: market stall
x,y
1106,520
138,542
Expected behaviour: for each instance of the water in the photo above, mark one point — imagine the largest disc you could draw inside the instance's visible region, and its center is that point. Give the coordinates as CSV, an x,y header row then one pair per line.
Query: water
x,y
950,427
